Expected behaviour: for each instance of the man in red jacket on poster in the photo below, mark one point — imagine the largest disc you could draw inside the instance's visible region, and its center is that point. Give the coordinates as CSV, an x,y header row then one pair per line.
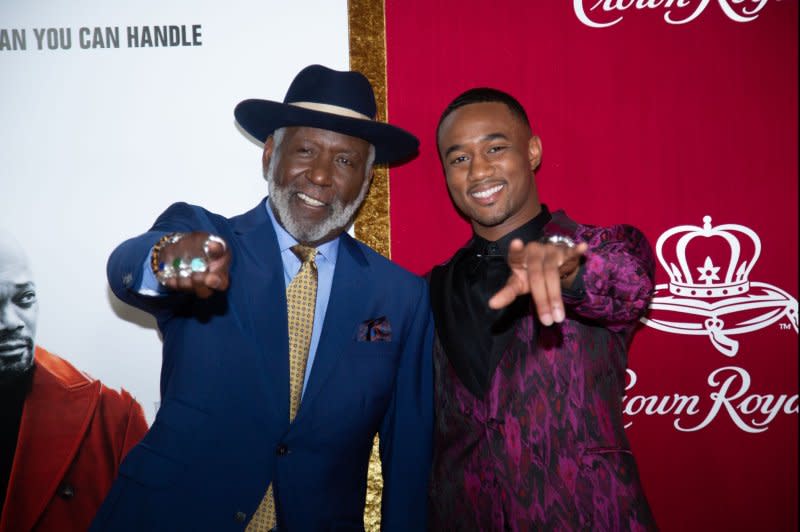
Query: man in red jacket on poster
x,y
62,433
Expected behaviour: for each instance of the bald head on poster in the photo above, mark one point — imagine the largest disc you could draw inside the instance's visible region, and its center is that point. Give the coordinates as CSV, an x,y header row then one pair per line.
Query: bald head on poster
x,y
19,309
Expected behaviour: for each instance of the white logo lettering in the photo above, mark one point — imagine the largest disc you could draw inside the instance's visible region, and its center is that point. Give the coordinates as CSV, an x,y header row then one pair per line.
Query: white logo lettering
x,y
751,413
675,11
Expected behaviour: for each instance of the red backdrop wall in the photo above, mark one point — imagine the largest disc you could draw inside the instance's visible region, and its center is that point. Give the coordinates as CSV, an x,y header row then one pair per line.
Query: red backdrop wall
x,y
664,116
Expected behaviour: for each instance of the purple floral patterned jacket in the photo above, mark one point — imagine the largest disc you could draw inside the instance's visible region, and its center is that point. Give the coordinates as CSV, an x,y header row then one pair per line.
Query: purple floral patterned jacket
x,y
545,448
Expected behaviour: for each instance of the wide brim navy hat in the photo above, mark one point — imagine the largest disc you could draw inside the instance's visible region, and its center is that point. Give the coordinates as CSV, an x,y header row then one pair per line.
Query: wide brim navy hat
x,y
328,99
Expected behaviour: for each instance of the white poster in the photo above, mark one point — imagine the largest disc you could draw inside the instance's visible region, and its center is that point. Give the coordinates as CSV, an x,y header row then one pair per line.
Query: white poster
x,y
112,111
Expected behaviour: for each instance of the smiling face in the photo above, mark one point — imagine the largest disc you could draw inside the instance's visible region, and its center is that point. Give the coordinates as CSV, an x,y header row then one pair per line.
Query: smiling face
x,y
18,309
318,179
489,156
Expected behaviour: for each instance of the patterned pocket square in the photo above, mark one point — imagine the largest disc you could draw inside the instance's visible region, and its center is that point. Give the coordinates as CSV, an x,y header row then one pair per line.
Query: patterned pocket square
x,y
375,330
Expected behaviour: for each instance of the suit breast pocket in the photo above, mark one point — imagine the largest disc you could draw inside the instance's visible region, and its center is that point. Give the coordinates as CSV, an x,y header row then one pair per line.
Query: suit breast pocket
x,y
379,351
374,362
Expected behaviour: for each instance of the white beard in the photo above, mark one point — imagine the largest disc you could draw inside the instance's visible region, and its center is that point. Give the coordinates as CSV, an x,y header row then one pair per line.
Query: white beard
x,y
340,217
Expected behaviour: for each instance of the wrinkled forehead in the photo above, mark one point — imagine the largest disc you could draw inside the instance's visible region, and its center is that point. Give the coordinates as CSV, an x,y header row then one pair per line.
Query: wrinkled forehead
x,y
327,137
14,275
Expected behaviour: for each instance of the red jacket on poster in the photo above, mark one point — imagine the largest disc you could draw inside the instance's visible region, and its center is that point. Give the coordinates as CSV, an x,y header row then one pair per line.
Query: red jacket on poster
x,y
73,435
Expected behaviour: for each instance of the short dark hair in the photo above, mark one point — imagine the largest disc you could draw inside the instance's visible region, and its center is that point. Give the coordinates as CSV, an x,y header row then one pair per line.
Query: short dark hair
x,y
485,95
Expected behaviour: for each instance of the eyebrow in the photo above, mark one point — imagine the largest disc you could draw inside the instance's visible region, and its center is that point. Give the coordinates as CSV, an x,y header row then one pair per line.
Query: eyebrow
x,y
353,153
485,138
349,153
10,289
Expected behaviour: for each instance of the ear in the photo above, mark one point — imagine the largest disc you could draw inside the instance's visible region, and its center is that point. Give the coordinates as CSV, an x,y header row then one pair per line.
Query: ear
x,y
534,152
267,154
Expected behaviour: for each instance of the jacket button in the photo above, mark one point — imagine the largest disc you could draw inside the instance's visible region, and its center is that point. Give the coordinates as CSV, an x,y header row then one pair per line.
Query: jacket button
x,y
240,517
66,491
282,450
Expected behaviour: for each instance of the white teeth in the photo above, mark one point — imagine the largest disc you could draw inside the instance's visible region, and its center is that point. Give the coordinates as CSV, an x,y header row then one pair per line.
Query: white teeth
x,y
488,192
309,200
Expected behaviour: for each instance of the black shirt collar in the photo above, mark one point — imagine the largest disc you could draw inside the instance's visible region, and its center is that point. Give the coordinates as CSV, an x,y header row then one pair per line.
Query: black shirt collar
x,y
530,231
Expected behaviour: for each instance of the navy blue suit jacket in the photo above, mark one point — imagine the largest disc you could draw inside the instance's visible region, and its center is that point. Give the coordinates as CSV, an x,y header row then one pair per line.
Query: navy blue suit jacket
x,y
222,433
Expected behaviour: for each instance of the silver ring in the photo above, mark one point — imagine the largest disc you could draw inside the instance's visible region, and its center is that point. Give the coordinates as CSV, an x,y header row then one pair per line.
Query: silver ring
x,y
560,240
166,273
198,265
173,238
213,238
179,267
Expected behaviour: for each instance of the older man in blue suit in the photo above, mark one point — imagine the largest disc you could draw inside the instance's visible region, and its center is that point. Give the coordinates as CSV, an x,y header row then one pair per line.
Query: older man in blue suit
x,y
287,344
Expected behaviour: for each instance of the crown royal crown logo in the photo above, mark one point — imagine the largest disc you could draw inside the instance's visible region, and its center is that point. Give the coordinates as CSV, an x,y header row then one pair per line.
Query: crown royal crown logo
x,y
709,282
720,276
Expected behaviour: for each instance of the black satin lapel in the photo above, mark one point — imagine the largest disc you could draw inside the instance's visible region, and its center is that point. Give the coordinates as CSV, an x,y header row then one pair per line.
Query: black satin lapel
x,y
473,337
452,329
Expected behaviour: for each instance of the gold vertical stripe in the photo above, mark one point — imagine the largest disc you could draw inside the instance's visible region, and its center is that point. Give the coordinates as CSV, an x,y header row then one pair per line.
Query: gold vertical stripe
x,y
368,56
367,29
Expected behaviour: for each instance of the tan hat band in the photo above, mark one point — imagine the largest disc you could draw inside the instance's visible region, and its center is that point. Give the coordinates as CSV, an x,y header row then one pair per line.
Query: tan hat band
x,y
331,109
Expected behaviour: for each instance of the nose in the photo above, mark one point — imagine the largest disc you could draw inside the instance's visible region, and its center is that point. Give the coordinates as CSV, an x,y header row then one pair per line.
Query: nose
x,y
480,168
9,319
321,171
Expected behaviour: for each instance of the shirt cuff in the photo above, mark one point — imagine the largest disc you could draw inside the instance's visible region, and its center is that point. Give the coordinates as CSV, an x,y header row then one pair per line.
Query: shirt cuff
x,y
150,285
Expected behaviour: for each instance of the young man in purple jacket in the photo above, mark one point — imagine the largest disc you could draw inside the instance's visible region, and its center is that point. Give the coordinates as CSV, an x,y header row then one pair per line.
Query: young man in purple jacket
x,y
533,319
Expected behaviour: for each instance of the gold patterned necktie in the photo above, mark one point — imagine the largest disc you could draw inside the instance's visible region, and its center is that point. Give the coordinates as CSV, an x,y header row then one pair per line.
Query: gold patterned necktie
x,y
301,298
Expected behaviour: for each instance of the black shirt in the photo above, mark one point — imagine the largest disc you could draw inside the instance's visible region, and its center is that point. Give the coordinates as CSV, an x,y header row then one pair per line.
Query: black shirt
x,y
12,400
473,335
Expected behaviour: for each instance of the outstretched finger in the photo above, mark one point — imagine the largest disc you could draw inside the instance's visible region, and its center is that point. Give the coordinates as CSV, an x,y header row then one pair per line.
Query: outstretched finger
x,y
535,272
516,255
552,287
505,296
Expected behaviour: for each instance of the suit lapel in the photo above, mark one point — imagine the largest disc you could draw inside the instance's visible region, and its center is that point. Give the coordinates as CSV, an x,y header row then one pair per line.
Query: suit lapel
x,y
265,308
351,277
55,419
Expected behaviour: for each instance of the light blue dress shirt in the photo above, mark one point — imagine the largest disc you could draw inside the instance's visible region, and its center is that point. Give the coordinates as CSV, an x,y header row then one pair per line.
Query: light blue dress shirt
x,y
327,254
